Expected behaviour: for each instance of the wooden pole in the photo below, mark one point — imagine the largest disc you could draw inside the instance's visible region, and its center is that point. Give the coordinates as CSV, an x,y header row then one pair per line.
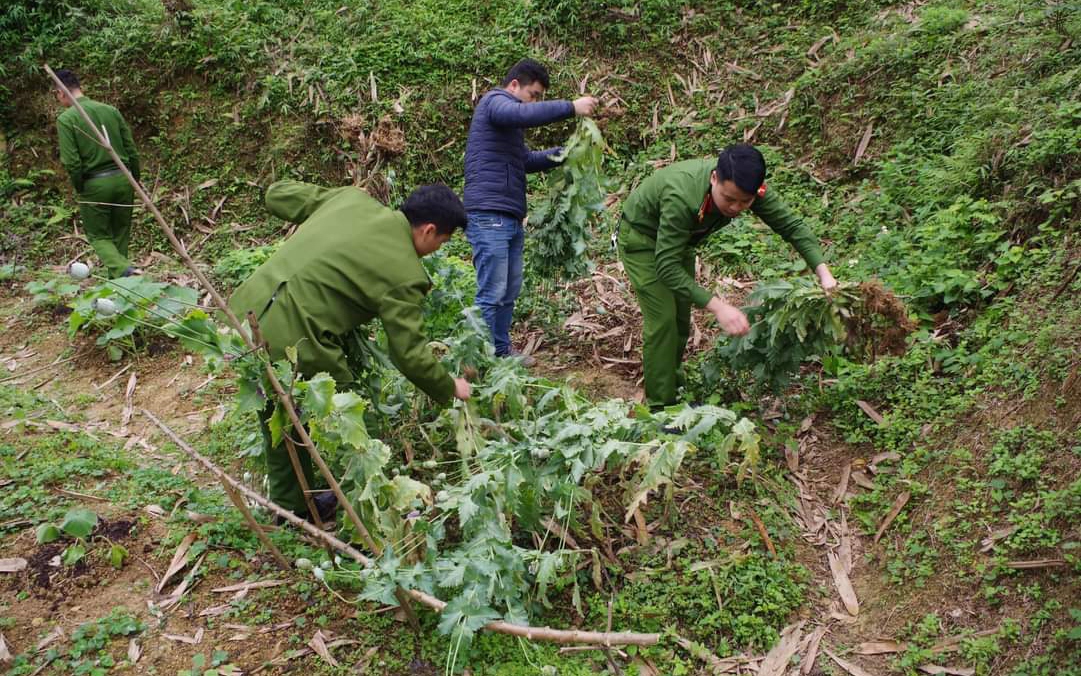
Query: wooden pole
x,y
254,525
181,250
608,638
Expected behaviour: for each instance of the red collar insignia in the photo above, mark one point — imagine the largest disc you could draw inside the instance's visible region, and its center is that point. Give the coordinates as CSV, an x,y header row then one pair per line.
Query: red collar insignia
x,y
707,206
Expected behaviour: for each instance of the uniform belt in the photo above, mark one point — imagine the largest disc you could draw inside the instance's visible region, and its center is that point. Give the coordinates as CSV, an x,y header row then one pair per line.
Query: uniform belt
x,y
105,173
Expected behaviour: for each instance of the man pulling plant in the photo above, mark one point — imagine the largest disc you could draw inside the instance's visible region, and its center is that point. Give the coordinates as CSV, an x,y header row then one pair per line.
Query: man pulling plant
x,y
496,162
105,196
664,219
351,260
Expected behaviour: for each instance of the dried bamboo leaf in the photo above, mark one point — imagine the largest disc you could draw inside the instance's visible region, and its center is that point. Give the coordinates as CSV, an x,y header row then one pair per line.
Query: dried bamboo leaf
x,y
843,584
880,647
951,671
898,505
134,651
871,412
178,562
1034,564
809,658
14,565
853,669
246,586
777,660
842,485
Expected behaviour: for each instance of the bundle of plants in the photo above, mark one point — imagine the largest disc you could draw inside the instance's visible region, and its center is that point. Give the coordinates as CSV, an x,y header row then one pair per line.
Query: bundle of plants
x,y
562,222
480,512
794,321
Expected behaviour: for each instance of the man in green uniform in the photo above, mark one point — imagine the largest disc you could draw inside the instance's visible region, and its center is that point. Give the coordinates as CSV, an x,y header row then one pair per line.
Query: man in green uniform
x,y
664,219
351,260
105,196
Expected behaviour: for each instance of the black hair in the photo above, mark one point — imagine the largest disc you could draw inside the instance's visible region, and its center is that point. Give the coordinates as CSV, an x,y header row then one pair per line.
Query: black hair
x,y
68,78
526,72
742,164
435,203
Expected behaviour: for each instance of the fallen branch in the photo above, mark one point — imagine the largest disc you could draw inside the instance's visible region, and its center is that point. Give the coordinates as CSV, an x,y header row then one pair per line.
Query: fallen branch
x,y
523,631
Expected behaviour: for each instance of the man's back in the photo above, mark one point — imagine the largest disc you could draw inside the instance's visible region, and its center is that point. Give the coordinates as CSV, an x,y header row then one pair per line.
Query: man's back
x,y
79,147
347,254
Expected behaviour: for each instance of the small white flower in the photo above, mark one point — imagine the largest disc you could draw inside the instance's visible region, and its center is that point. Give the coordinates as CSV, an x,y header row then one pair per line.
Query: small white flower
x,y
853,261
319,573
326,564
885,230
303,564
337,560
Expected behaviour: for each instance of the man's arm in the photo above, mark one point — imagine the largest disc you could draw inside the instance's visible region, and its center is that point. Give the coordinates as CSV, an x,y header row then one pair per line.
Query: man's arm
x,y
294,201
673,239
129,147
505,111
541,160
783,221
69,154
400,311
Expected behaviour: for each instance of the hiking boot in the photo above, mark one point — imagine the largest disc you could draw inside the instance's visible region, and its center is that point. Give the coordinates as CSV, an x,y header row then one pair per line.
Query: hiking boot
x,y
526,360
325,503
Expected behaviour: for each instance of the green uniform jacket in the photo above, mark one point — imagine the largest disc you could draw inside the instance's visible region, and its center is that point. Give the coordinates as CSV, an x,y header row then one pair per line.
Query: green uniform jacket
x,y
80,152
351,260
666,207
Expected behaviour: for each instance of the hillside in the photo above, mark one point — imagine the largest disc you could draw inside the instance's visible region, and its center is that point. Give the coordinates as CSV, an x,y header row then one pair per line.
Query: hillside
x,y
906,504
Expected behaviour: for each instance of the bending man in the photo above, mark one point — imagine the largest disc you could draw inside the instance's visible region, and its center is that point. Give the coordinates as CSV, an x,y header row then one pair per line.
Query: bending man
x,y
351,260
664,219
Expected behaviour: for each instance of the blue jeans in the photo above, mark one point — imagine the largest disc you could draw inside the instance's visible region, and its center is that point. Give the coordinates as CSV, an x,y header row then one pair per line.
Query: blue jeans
x,y
497,240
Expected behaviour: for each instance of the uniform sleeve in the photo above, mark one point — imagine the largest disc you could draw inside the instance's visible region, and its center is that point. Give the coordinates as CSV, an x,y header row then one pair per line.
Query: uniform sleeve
x,y
294,201
129,147
541,160
504,111
400,311
673,239
69,153
783,221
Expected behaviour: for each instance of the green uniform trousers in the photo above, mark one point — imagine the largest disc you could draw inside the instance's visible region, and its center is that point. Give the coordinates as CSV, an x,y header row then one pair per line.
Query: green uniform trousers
x,y
108,228
284,488
666,318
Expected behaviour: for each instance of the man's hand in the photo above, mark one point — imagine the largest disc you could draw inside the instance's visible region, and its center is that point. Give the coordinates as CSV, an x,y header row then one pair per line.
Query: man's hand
x,y
825,278
731,318
462,389
583,106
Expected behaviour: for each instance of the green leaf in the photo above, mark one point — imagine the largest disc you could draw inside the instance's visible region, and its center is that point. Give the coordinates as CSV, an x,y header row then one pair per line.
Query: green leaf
x,y
117,556
318,400
47,533
74,554
79,522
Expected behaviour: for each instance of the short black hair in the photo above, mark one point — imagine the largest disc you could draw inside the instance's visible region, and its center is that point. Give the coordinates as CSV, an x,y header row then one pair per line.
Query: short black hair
x,y
435,203
742,164
70,80
526,72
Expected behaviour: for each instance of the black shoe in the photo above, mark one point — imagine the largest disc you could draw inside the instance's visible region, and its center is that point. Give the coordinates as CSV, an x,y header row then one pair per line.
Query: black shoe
x,y
325,503
327,506
131,271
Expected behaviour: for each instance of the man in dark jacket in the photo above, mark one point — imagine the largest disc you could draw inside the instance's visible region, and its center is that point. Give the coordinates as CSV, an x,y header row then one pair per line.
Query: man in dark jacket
x,y
496,162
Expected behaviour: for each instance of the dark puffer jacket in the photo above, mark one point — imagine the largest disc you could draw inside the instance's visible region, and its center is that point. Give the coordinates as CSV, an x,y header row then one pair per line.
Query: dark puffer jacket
x,y
496,156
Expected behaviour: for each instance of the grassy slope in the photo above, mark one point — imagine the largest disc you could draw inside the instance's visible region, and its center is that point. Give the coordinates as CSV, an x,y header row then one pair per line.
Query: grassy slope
x,y
966,201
